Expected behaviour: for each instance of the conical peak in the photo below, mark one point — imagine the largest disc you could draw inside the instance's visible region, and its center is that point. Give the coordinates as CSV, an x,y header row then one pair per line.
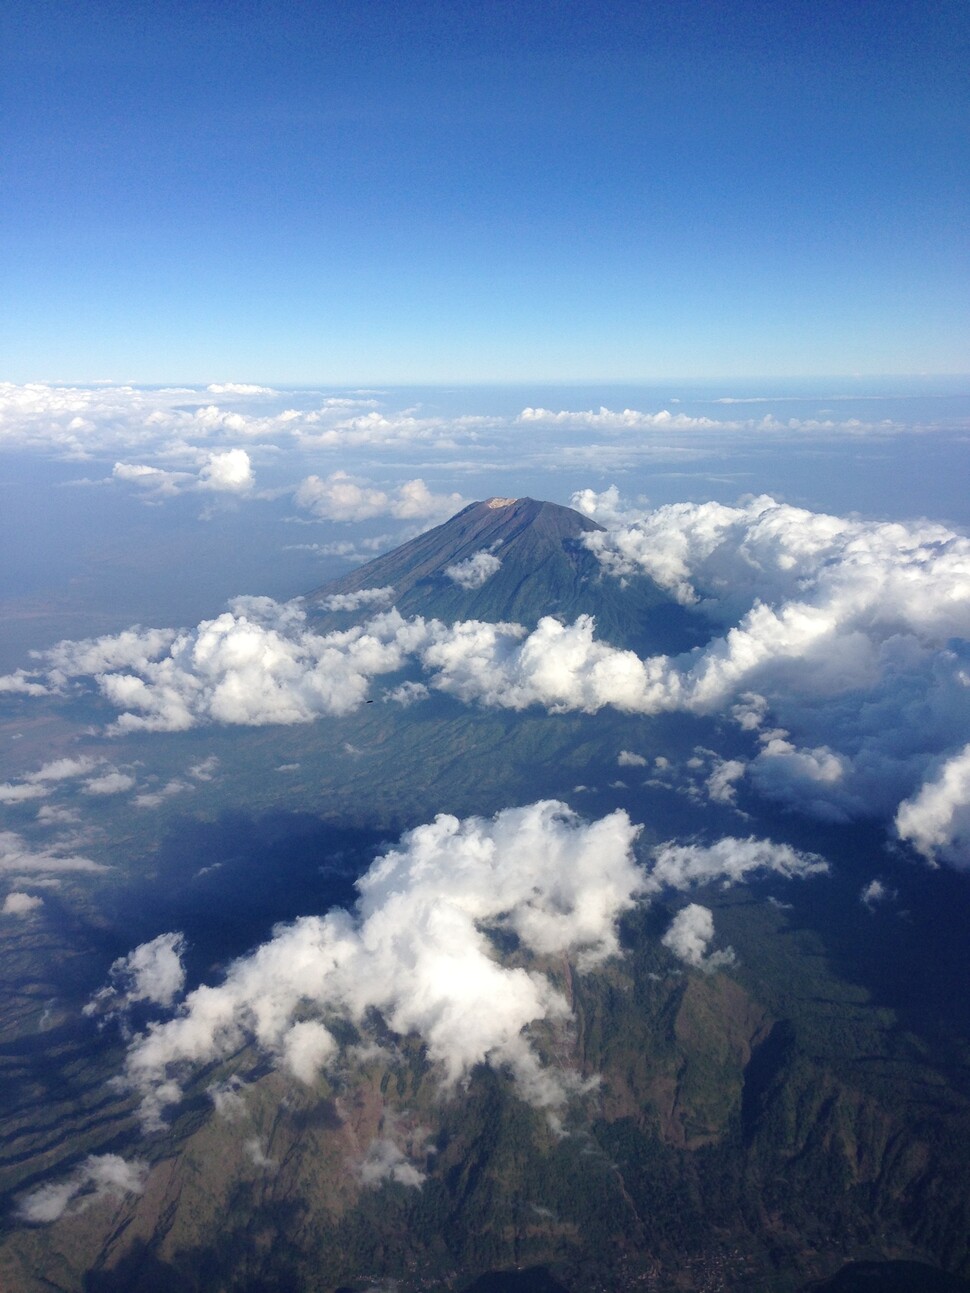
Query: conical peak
x,y
502,513
513,559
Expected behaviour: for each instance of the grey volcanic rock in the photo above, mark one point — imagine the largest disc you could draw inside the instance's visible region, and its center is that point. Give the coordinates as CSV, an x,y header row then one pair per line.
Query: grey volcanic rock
x,y
532,563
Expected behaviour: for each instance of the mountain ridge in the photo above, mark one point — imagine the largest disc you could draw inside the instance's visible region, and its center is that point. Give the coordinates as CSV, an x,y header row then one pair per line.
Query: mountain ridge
x,y
510,559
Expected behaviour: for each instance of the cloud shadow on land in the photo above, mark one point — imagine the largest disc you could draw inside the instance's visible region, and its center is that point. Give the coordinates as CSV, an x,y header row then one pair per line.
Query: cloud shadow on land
x,y
226,883
909,951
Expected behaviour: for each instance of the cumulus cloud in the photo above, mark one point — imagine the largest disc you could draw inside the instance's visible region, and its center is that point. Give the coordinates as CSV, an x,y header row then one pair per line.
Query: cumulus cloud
x,y
604,419
362,597
155,798
341,497
875,893
474,571
561,667
37,785
99,1177
733,557
205,769
18,792
336,425
152,972
62,769
362,550
936,820
729,861
417,949
385,1162
20,904
109,783
154,480
841,647
229,471
238,388
82,422
16,855
842,643
257,1155
721,784
627,759
690,934
90,657
408,693
256,664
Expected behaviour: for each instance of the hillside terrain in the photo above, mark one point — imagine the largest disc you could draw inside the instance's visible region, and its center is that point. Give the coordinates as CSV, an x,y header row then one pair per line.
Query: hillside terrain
x,y
791,1116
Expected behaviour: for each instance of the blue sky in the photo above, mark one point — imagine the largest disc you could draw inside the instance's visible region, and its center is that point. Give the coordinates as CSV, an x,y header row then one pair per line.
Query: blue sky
x,y
463,192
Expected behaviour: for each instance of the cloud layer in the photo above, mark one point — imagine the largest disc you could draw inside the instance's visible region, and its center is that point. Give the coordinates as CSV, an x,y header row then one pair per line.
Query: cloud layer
x,y
340,497
450,940
417,949
841,647
936,820
100,1176
475,570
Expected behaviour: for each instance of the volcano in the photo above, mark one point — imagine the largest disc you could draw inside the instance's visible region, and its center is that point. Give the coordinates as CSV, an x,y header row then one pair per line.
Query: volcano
x,y
515,559
756,1118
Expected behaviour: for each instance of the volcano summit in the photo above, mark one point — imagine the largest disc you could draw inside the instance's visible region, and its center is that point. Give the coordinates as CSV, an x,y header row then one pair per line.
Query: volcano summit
x,y
513,560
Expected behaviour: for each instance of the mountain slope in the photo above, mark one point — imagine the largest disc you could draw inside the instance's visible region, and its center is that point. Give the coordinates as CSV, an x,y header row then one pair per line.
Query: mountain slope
x,y
514,559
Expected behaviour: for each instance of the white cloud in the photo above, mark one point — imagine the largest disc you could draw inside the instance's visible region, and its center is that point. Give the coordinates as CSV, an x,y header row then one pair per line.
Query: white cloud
x,y
561,667
330,427
627,759
90,657
155,798
57,815
605,419
385,1162
229,471
227,1098
19,792
340,497
474,571
100,1176
20,904
37,785
690,934
851,635
109,783
840,646
155,480
408,693
16,855
223,471
253,665
82,422
362,597
307,1047
721,783
936,820
417,950
875,893
19,683
238,388
62,769
730,860
152,972
257,1154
